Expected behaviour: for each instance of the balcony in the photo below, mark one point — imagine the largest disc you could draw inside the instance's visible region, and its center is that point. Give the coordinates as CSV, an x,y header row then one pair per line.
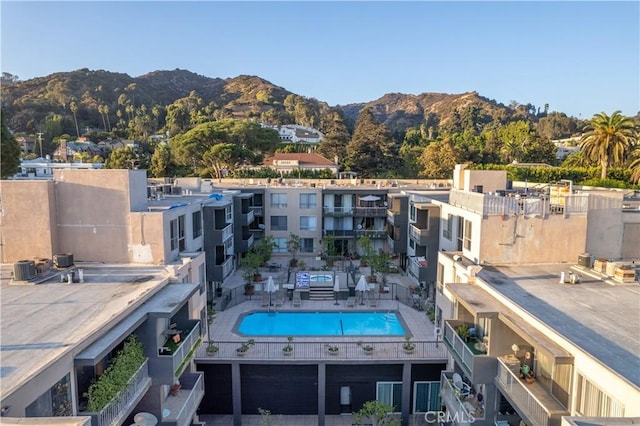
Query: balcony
x,y
222,235
393,217
184,349
419,235
418,268
471,355
396,246
121,406
370,211
222,271
337,211
461,409
245,244
258,211
179,409
532,401
371,233
245,218
340,233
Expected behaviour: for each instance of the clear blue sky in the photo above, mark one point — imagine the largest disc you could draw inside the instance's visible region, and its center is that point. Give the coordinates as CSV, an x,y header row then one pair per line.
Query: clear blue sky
x,y
579,57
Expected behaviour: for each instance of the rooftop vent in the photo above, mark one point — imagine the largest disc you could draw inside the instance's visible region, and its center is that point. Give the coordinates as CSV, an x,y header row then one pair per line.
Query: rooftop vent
x,y
584,260
63,260
24,270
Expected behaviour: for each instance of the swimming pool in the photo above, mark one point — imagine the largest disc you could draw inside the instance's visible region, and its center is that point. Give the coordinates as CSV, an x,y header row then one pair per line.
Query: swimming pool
x,y
321,324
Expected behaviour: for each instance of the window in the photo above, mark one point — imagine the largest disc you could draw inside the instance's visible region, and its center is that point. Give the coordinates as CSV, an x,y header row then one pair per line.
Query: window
x,y
412,244
426,396
228,213
203,282
308,201
54,402
278,223
280,245
594,402
181,233
467,234
390,393
279,201
196,223
306,245
412,213
447,229
460,232
173,232
308,223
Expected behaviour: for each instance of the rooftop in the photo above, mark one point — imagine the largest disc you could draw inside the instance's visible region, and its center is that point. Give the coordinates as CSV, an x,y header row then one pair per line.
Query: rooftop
x,y
42,322
600,318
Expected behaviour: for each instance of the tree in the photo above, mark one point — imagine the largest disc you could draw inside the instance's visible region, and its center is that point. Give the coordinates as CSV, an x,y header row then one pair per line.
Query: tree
x,y
9,152
293,247
161,162
122,158
371,149
608,139
224,156
74,109
336,137
376,413
439,159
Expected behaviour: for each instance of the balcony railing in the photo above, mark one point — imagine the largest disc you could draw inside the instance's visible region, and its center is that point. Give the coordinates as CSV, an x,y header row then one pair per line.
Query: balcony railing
x,y
530,400
370,211
119,407
338,211
461,410
458,346
257,210
306,351
246,218
419,235
340,232
371,233
183,407
222,235
222,271
181,353
392,217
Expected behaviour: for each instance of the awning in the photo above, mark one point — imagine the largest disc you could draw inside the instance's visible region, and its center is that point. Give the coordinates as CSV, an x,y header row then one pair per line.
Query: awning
x,y
369,198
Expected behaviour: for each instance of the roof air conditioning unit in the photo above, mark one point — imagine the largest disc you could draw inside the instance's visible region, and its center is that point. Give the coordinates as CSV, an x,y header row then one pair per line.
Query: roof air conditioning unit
x,y
24,270
63,260
584,259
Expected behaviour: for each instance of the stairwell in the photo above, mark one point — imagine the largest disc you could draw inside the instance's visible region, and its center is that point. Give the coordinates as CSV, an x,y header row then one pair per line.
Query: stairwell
x,y
321,292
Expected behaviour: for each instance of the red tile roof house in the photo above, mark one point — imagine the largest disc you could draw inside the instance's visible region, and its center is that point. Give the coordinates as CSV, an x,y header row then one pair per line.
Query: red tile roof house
x,y
286,162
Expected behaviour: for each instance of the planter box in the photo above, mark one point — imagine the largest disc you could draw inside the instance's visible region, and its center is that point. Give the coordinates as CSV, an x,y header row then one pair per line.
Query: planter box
x,y
600,265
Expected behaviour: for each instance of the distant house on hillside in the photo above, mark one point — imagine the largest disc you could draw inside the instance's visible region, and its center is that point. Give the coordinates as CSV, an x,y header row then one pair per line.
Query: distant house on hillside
x,y
293,133
27,145
68,150
567,146
287,162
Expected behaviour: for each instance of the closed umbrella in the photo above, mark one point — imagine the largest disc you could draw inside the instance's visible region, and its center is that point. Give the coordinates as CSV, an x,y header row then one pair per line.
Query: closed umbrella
x,y
361,287
270,287
336,289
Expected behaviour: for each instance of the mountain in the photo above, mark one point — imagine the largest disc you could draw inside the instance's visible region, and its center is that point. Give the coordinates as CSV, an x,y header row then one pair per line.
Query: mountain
x,y
27,103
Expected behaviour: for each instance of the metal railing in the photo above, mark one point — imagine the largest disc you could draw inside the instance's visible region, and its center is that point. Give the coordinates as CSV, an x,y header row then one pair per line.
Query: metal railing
x,y
371,233
521,397
114,411
458,345
338,211
418,234
182,351
370,211
450,396
306,351
188,408
257,210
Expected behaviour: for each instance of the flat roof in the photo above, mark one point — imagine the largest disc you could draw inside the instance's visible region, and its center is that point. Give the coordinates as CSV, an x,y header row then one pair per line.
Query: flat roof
x,y
40,323
600,318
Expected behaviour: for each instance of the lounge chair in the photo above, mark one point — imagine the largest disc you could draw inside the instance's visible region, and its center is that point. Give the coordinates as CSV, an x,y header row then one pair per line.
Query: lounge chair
x,y
265,299
279,298
373,300
297,300
351,302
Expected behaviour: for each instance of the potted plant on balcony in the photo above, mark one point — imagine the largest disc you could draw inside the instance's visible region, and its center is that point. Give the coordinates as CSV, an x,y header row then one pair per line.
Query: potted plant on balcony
x,y
288,349
212,348
368,349
408,345
332,349
249,265
244,347
463,332
293,247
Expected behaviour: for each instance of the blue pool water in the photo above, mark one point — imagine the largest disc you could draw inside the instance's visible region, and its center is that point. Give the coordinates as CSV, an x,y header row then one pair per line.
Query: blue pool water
x,y
321,324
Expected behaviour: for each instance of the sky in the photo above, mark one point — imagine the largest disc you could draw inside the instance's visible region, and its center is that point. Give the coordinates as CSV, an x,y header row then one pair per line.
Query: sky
x,y
581,58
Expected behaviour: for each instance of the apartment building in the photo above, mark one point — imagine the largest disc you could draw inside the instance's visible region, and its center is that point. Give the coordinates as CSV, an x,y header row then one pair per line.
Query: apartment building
x,y
537,301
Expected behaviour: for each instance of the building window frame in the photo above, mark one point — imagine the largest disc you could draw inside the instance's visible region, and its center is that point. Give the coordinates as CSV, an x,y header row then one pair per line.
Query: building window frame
x,y
279,200
308,200
196,223
278,223
308,223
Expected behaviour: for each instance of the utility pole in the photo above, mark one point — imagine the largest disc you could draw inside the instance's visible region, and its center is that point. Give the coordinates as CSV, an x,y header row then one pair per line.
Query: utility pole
x,y
40,142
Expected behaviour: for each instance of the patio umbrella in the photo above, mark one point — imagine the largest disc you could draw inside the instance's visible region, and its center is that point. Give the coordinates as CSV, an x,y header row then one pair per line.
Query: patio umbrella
x,y
336,289
270,288
361,287
369,198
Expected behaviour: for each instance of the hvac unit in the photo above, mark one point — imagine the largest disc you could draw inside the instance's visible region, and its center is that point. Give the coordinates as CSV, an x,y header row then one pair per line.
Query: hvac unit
x,y
24,270
63,260
584,259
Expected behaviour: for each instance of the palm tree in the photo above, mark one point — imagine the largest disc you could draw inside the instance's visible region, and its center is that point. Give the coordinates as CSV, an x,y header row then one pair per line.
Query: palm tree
x,y
609,139
74,108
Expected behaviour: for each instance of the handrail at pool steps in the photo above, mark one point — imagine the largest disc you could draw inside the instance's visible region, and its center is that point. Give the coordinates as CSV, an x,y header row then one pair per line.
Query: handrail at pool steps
x,y
305,351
